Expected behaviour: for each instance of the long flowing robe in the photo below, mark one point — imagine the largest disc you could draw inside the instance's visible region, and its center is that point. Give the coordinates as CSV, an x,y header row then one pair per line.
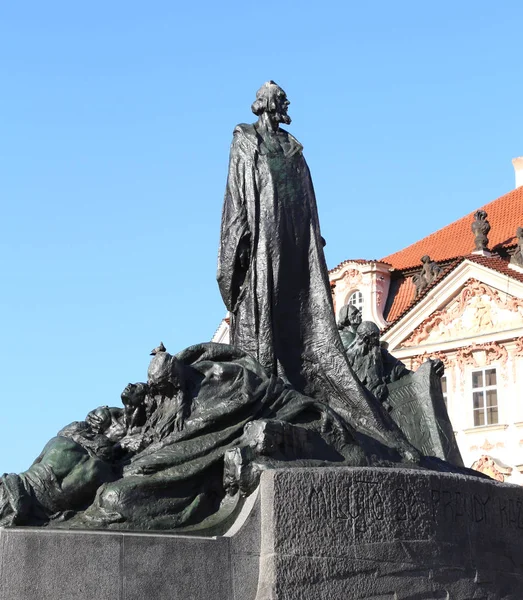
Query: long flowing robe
x,y
281,305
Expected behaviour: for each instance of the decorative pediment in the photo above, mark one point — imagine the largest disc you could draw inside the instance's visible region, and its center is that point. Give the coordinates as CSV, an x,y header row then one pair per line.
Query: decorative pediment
x,y
476,310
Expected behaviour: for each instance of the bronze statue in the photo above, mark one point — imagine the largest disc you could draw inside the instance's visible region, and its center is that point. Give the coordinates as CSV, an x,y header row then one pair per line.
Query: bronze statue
x,y
272,272
200,406
212,417
413,398
374,366
64,477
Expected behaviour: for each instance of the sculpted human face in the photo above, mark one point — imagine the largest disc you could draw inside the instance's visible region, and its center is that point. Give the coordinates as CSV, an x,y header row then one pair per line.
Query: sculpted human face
x,y
128,394
369,334
134,394
354,317
282,105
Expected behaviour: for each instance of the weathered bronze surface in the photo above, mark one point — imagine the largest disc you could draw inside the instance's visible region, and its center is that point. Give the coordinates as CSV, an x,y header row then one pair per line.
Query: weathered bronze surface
x,y
209,420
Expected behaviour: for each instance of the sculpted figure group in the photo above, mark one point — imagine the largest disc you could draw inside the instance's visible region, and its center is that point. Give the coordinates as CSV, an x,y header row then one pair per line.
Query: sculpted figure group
x,y
293,388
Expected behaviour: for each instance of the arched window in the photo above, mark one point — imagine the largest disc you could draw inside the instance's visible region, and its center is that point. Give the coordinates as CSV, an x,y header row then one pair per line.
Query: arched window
x,y
356,299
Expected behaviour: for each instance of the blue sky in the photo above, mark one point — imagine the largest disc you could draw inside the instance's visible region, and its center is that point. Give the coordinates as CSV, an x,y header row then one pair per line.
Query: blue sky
x,y
116,119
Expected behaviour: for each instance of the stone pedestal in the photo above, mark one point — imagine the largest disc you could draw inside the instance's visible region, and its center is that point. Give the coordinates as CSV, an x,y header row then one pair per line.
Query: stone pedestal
x,y
389,534
335,533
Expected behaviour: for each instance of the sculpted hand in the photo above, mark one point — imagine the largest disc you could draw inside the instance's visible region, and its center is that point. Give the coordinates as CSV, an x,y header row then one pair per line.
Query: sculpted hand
x,y
439,367
94,421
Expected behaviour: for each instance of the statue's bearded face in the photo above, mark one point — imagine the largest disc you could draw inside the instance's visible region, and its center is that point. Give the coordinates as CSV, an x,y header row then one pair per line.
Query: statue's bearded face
x,y
272,100
281,106
369,334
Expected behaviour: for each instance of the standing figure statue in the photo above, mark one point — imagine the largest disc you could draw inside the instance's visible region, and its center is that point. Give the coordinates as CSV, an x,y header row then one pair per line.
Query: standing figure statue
x,y
480,228
272,272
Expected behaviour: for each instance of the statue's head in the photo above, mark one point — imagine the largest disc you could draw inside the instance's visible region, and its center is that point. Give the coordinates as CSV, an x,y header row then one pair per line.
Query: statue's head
x,y
270,98
354,315
349,315
425,259
165,374
519,232
369,333
134,394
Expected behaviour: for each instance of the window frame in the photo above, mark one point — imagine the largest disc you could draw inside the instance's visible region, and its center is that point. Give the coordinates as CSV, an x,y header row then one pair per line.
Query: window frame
x,y
485,410
361,300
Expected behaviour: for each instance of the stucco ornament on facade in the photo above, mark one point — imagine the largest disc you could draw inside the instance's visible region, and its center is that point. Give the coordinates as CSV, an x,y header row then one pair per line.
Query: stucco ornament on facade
x,y
352,277
518,350
485,464
382,287
417,361
477,309
480,355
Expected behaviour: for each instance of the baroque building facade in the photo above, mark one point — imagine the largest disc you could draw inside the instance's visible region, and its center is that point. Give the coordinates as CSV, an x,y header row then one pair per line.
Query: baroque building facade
x,y
456,295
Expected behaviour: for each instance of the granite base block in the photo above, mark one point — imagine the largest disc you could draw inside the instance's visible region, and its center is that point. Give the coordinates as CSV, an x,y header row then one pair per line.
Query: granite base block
x,y
335,533
389,534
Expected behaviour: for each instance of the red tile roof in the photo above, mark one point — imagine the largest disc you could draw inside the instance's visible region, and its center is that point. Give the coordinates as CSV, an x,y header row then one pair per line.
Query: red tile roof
x,y
401,300
402,296
360,261
505,214
496,264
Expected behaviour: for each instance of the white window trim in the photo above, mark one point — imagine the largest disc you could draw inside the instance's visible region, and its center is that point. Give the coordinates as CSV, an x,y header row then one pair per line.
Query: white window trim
x,y
361,303
484,389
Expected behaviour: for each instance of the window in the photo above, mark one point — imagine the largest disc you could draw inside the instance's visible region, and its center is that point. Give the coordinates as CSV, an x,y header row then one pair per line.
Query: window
x,y
444,390
485,397
356,299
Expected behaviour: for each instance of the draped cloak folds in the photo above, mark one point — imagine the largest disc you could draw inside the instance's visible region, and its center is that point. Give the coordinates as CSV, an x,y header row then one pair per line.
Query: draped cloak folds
x,y
178,480
281,305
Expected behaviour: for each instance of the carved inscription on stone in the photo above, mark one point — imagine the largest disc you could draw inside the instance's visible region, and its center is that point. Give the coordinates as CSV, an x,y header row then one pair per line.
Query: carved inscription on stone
x,y
360,532
367,505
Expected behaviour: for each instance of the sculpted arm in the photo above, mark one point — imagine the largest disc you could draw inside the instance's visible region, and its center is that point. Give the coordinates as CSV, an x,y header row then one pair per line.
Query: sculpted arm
x,y
157,457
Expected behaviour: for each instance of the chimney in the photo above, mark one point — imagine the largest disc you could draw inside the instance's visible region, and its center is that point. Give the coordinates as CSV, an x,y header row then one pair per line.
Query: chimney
x,y
518,168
